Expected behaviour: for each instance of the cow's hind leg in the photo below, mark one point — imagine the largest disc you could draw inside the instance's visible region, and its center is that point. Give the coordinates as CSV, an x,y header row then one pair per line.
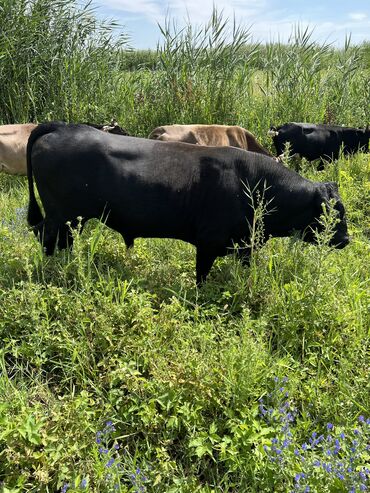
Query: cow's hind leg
x,y
65,237
205,259
129,241
48,233
37,229
65,233
244,255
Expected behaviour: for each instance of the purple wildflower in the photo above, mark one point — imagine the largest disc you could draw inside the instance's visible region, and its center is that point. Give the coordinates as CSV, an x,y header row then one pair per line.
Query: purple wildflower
x,y
110,463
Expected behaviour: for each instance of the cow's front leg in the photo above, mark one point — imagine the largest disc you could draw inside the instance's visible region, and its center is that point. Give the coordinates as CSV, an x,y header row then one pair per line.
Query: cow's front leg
x,y
205,259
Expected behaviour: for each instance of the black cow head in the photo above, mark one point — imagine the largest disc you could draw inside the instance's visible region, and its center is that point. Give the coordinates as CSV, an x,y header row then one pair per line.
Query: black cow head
x,y
327,198
273,132
289,133
277,139
114,128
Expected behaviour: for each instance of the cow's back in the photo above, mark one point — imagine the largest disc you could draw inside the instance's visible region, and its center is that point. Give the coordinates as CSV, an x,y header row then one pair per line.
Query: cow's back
x,y
206,135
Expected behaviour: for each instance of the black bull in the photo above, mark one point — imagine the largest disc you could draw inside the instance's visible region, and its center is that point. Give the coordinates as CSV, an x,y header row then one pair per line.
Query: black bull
x,y
319,141
145,188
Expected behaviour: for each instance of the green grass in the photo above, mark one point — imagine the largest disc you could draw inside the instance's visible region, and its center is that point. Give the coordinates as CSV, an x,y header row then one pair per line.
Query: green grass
x,y
101,334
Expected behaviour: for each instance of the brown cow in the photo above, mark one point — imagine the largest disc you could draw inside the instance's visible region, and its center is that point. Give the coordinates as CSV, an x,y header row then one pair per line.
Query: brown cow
x,y
210,135
13,144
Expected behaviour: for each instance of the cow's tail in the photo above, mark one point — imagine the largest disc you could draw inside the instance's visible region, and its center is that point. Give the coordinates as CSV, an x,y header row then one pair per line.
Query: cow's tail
x,y
34,215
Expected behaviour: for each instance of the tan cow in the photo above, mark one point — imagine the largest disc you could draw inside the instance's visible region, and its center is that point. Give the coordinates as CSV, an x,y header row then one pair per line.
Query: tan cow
x,y
13,144
210,135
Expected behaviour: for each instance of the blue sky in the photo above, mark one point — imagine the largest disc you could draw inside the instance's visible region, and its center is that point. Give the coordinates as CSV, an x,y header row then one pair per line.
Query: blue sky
x,y
269,19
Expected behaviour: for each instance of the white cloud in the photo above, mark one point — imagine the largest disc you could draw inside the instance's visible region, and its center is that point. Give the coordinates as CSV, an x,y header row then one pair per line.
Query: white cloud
x,y
358,16
265,23
198,11
148,8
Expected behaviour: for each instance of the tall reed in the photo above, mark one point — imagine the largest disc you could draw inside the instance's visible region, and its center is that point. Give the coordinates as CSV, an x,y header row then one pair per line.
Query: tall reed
x,y
57,61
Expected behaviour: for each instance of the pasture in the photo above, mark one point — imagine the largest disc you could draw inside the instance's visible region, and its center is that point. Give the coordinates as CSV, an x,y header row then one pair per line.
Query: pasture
x,y
116,372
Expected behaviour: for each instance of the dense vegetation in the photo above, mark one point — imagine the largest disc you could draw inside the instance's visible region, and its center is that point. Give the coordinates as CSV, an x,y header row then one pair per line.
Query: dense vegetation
x,y
116,372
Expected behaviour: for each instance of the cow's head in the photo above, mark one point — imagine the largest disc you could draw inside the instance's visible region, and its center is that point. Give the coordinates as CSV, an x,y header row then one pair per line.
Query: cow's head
x,y
289,133
114,128
273,132
327,199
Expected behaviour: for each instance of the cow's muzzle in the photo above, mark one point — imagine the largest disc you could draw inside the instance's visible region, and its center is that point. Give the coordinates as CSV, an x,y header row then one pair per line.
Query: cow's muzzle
x,y
340,244
272,133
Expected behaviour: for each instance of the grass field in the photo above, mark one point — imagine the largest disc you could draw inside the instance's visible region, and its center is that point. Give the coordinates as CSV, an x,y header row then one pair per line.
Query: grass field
x,y
116,372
